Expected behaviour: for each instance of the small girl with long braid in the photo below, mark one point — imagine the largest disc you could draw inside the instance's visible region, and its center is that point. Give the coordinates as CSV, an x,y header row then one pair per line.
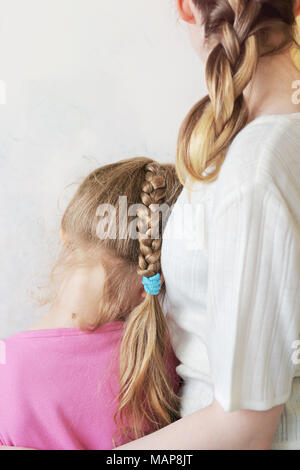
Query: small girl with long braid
x,y
98,369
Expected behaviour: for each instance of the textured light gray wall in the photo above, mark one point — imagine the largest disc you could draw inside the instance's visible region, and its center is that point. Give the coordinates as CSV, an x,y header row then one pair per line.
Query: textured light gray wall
x,y
87,82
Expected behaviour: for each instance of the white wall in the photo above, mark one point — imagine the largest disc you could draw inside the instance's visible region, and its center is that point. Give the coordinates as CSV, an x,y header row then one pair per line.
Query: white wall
x,y
87,82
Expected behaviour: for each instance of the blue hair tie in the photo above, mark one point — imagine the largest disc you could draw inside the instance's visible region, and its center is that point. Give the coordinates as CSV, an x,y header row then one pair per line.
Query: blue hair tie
x,y
152,284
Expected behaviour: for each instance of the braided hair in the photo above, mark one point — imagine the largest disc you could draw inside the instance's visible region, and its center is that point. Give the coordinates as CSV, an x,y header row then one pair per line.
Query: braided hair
x,y
240,30
127,247
146,379
153,195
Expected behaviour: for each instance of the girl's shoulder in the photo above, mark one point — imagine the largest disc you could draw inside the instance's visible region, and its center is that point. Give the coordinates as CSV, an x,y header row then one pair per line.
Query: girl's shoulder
x,y
43,350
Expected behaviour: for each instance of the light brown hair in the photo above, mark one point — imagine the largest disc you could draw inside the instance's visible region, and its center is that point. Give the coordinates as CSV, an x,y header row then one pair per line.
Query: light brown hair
x,y
147,400
242,31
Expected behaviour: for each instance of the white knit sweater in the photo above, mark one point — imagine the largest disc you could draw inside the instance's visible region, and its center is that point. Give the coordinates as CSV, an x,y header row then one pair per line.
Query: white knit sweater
x,y
231,262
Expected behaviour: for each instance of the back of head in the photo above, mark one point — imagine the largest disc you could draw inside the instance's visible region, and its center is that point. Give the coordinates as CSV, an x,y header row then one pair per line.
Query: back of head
x,y
102,191
240,32
116,218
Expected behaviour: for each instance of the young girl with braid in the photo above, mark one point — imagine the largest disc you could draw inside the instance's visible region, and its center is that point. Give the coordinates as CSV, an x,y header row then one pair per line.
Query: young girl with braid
x,y
98,369
232,296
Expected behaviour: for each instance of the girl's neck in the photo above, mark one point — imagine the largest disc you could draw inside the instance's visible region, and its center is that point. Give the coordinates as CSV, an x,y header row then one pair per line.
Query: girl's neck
x,y
271,91
77,301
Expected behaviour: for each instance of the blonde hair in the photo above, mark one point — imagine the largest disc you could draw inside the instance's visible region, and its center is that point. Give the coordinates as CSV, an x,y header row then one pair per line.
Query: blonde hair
x,y
242,30
147,400
295,52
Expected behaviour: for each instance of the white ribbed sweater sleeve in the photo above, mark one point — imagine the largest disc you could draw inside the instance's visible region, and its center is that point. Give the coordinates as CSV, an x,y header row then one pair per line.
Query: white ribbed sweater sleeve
x,y
253,299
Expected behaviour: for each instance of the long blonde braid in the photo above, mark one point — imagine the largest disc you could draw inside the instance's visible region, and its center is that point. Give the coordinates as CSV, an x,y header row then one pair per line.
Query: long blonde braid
x,y
240,29
145,379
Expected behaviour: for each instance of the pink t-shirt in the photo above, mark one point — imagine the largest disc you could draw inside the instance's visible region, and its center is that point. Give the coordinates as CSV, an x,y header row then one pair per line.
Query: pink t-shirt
x,y
50,391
